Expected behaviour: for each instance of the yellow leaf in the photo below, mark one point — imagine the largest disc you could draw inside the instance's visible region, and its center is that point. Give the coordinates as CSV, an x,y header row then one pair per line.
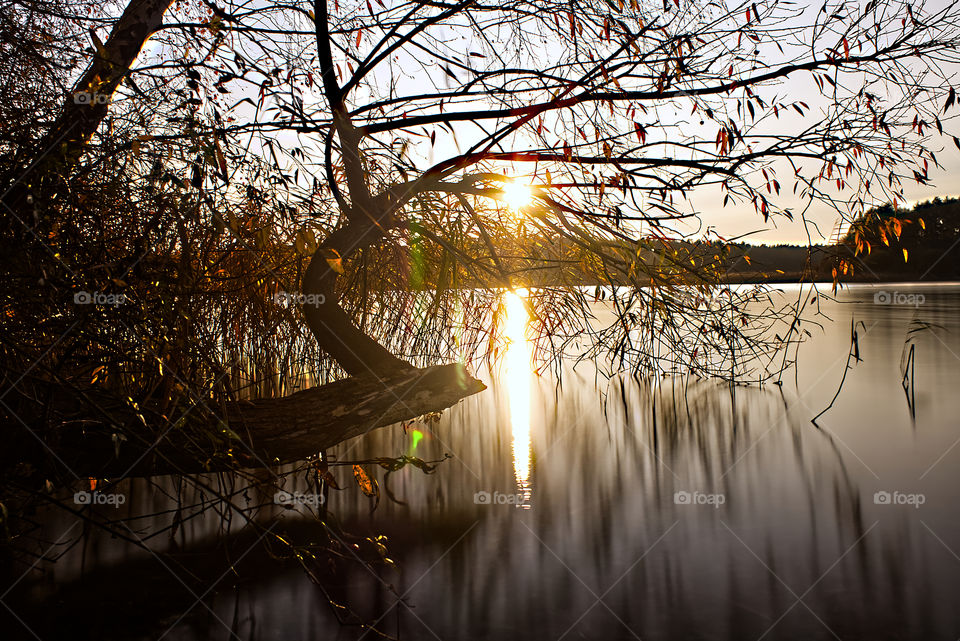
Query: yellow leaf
x,y
904,255
364,481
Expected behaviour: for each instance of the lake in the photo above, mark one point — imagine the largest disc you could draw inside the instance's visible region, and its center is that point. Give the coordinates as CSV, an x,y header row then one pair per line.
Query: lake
x,y
666,509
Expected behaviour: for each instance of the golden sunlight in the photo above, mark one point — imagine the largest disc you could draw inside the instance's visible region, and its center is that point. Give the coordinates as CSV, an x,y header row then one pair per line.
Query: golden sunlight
x,y
515,376
517,195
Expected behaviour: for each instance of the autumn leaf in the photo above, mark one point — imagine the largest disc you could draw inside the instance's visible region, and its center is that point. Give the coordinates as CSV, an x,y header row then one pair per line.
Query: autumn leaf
x,y
327,477
333,259
641,132
368,485
391,464
364,481
221,160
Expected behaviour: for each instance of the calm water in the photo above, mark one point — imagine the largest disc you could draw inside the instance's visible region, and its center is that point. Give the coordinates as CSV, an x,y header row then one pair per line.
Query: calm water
x,y
681,510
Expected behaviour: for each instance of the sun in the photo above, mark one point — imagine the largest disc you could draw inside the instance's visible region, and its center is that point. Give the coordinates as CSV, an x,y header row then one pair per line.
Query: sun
x,y
517,195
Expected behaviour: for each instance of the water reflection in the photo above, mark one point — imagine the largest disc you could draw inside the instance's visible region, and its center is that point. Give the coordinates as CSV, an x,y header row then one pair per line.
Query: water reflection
x,y
799,518
515,377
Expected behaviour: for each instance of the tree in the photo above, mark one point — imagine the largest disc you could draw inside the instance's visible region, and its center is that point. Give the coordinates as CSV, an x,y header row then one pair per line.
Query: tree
x,y
579,100
892,243
204,167
405,136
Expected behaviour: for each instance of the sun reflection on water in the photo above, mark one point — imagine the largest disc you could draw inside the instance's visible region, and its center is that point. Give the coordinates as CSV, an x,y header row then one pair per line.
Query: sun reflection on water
x,y
515,378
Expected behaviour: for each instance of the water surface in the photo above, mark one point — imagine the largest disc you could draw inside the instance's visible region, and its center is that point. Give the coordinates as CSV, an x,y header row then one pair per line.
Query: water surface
x,y
672,509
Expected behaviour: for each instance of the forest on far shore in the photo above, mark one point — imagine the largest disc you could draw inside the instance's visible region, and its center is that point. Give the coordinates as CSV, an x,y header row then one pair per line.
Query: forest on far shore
x,y
884,244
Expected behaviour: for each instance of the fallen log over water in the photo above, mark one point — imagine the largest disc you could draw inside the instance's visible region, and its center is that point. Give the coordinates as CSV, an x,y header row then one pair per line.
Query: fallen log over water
x,y
67,433
285,429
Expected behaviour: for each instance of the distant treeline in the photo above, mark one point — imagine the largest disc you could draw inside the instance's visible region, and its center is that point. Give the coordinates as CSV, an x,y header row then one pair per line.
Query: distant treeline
x,y
906,244
884,244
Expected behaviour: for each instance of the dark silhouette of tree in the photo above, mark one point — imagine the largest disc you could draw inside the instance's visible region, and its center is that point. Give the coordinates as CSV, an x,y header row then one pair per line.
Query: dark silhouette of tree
x,y
186,188
900,243
218,163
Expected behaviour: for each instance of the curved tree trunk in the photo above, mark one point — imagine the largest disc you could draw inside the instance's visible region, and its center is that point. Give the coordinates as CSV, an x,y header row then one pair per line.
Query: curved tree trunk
x,y
356,352
366,219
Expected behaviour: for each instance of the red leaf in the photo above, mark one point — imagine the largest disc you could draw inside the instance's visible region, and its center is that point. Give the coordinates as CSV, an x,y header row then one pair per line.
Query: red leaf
x,y
641,132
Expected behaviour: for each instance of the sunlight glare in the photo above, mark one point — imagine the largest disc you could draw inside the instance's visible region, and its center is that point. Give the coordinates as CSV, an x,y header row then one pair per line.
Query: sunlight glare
x,y
517,195
515,375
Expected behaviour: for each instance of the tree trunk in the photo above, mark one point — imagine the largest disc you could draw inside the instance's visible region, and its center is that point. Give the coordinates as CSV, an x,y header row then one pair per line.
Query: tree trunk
x,y
356,352
86,108
71,432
